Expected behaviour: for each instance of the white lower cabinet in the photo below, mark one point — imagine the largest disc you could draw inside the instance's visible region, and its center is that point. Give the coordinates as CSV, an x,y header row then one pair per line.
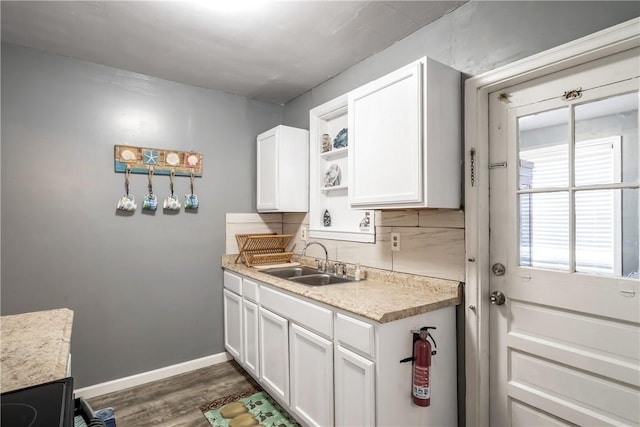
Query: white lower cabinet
x,y
328,367
274,353
233,324
250,359
355,391
311,358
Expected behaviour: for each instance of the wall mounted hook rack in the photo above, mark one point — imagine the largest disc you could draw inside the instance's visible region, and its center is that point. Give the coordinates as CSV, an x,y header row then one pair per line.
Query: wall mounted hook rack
x,y
161,161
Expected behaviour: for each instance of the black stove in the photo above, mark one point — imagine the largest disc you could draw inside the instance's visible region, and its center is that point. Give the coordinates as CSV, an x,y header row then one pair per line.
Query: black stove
x,y
44,405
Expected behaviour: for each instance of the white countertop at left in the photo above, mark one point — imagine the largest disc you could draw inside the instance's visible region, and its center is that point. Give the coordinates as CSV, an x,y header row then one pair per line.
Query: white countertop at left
x,y
34,347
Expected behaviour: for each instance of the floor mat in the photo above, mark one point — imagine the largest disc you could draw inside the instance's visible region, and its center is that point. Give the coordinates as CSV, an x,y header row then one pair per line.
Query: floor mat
x,y
247,408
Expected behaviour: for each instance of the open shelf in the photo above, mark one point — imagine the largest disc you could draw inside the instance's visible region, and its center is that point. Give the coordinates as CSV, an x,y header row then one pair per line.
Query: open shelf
x,y
334,188
338,152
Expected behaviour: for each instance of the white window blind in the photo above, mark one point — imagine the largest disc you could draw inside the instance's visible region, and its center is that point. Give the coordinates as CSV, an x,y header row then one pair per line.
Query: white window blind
x,y
544,216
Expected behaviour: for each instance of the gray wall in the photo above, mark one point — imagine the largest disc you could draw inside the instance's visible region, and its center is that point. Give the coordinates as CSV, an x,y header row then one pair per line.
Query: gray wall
x,y
477,37
146,290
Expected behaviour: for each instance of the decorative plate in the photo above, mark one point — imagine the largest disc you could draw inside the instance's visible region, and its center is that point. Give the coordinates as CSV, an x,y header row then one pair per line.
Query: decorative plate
x,y
332,176
341,139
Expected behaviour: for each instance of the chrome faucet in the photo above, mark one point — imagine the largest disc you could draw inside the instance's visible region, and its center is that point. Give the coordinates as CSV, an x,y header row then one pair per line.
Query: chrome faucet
x,y
326,255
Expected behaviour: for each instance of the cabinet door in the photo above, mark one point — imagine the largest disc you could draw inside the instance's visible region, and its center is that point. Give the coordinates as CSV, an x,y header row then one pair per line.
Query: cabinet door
x,y
386,138
233,324
267,171
354,396
250,341
274,353
311,369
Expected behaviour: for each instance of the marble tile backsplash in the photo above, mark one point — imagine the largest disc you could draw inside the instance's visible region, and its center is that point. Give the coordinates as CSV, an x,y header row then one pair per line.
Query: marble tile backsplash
x,y
431,241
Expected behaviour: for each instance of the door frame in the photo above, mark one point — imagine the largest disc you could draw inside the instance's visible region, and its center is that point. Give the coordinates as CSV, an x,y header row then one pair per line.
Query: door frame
x,y
612,40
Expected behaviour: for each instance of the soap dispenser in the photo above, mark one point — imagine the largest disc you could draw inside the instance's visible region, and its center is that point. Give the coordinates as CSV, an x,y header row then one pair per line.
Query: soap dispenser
x,y
357,272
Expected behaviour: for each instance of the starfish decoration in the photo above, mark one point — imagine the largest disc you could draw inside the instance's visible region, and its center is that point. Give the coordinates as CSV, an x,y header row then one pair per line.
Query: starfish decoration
x,y
150,157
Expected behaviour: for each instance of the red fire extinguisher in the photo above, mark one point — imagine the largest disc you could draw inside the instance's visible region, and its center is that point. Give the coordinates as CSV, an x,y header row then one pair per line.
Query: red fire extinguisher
x,y
421,365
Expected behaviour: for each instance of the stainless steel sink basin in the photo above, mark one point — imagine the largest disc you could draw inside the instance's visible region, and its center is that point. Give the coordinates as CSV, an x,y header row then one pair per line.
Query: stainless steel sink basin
x,y
287,272
320,279
306,276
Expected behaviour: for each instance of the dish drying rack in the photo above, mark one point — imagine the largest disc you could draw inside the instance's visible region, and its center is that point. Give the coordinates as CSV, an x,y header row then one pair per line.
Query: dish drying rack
x,y
263,248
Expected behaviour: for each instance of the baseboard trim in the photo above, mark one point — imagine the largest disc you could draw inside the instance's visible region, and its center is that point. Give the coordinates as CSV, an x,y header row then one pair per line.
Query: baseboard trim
x,y
150,376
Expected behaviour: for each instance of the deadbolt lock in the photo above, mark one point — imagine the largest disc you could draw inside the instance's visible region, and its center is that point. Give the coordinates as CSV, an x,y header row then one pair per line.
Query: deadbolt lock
x,y
498,269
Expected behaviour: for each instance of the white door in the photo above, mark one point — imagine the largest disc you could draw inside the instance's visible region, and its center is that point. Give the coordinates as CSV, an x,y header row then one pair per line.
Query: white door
x,y
565,344
274,353
233,324
250,337
355,395
311,358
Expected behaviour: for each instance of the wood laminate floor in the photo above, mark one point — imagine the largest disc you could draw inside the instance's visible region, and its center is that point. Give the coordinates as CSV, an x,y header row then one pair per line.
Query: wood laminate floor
x,y
174,401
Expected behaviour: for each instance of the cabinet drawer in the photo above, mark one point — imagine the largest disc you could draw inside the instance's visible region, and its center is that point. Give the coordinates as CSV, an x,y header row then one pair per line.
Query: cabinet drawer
x,y
311,316
233,282
355,334
250,290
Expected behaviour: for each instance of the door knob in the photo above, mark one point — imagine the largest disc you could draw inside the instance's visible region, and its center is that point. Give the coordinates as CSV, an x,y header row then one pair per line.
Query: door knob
x,y
497,298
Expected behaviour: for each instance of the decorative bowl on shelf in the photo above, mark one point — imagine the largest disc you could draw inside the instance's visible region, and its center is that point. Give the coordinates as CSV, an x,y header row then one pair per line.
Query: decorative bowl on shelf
x,y
341,139
332,176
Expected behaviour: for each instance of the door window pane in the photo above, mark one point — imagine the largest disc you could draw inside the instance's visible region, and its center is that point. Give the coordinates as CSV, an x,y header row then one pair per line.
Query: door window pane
x,y
597,218
544,230
543,140
597,161
615,116
607,232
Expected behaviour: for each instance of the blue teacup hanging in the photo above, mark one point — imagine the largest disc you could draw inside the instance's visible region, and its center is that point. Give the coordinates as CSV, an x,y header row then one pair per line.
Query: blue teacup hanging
x,y
150,201
191,200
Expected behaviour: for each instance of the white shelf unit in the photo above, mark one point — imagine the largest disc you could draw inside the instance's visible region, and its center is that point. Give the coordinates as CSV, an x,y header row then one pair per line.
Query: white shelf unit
x,y
330,118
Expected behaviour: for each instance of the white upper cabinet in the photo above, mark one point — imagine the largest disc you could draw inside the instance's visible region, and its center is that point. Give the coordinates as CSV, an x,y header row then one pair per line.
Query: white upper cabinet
x,y
283,170
404,139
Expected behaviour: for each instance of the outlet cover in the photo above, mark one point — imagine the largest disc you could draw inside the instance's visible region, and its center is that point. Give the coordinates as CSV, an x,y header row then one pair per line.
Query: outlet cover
x,y
303,234
395,241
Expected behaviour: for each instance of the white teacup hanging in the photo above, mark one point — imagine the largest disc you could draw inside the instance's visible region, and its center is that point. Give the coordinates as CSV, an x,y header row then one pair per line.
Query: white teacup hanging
x,y
127,202
172,202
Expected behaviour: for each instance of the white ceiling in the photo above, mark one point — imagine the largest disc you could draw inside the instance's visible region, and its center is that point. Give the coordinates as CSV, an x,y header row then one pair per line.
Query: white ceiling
x,y
267,50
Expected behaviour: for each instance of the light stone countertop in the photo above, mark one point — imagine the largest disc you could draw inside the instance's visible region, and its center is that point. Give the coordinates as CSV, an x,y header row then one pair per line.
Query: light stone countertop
x,y
384,296
34,347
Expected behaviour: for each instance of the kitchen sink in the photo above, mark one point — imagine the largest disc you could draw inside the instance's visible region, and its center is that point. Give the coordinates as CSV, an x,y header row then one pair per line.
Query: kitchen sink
x,y
306,276
287,272
320,279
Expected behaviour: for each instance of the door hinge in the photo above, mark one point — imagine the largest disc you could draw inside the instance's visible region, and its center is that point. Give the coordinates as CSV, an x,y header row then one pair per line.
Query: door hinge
x,y
472,166
497,165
